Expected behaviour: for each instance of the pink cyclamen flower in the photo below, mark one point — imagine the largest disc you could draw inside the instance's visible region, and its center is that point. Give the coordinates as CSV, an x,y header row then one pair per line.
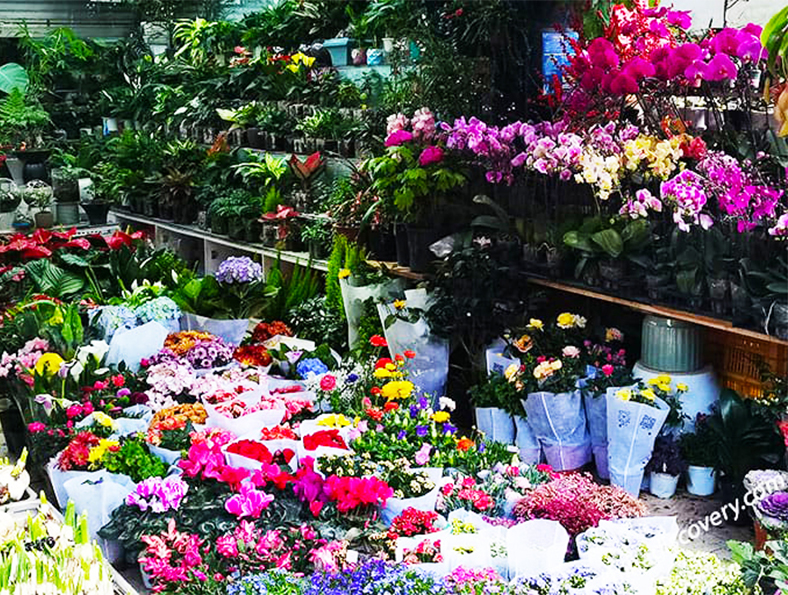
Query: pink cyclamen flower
x,y
431,154
248,503
398,137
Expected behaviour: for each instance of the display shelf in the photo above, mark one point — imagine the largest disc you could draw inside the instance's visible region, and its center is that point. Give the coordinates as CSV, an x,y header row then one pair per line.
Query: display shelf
x,y
82,230
699,319
215,248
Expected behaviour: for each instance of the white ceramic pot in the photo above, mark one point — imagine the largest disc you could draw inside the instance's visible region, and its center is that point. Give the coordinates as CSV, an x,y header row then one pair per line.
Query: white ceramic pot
x,y
701,480
663,485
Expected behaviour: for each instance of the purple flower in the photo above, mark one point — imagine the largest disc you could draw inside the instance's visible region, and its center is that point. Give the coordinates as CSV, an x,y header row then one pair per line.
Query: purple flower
x,y
398,137
157,494
239,269
449,429
401,435
414,411
431,154
421,431
210,354
720,68
775,505
351,378
423,403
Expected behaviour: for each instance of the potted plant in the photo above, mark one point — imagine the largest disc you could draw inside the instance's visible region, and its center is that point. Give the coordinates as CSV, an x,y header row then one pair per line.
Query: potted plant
x,y
9,201
306,172
665,467
744,439
495,402
358,28
38,194
318,236
698,449
23,121
282,220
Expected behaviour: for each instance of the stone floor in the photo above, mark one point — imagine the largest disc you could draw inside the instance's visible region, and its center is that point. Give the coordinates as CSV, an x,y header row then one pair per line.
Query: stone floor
x,y
694,509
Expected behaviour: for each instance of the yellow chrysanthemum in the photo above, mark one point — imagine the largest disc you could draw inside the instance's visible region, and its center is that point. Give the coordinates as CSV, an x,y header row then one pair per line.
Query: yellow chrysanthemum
x,y
97,452
400,304
381,373
536,323
624,394
344,274
103,419
441,417
649,394
334,421
48,364
397,389
665,388
682,387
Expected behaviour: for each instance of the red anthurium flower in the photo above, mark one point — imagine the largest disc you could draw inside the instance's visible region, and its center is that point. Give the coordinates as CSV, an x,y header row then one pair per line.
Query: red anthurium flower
x,y
329,438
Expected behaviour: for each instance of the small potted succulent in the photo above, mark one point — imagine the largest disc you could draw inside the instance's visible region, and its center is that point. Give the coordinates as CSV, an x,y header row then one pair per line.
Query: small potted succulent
x,y
665,467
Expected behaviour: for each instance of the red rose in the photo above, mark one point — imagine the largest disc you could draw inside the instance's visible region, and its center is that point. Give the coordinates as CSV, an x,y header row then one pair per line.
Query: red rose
x,y
391,406
409,353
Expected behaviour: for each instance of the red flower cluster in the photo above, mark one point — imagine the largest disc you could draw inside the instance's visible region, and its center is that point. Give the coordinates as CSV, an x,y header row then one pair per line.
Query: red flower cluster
x,y
353,492
278,433
330,438
252,355
259,452
75,456
466,492
265,330
412,522
41,244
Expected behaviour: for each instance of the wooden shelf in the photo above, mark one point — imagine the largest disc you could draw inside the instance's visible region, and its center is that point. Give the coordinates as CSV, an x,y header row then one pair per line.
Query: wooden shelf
x,y
211,238
699,319
397,270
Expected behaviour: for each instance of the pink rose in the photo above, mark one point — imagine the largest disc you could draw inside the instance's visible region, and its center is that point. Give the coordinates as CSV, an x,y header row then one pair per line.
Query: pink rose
x,y
36,427
607,370
328,382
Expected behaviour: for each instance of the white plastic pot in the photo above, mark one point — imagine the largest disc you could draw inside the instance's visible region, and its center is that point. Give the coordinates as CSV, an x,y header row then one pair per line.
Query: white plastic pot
x,y
165,454
701,480
395,506
663,485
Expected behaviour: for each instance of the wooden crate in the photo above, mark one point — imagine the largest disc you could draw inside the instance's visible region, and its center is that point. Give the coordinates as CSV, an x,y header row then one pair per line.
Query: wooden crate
x,y
736,360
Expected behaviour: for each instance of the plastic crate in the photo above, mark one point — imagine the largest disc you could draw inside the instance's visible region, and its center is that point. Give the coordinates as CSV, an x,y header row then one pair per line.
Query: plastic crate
x,y
736,359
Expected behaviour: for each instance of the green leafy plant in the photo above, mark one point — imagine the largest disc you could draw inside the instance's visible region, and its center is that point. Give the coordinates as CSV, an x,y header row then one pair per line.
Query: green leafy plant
x,y
497,392
745,437
613,238
22,119
13,76
291,290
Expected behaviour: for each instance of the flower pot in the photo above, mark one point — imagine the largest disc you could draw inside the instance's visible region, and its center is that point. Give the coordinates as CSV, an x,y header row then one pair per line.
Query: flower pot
x,y
395,506
375,57
236,229
13,426
655,285
778,319
719,295
383,245
350,232
596,415
96,212
318,250
16,167
663,485
359,56
526,441
388,44
109,125
67,213
269,235
253,138
559,422
44,219
612,272
701,480
340,50
496,424
419,241
401,239
65,189
555,262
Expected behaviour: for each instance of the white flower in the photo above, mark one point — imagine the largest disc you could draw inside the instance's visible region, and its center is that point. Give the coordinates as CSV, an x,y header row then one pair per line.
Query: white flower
x,y
570,351
447,403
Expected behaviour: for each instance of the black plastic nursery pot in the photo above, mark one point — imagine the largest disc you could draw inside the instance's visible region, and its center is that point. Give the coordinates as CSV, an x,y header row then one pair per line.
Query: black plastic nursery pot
x,y
96,212
733,490
401,239
383,245
419,241
13,427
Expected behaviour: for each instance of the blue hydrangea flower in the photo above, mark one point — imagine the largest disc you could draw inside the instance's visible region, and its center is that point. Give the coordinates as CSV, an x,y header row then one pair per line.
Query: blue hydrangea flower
x,y
159,309
309,367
